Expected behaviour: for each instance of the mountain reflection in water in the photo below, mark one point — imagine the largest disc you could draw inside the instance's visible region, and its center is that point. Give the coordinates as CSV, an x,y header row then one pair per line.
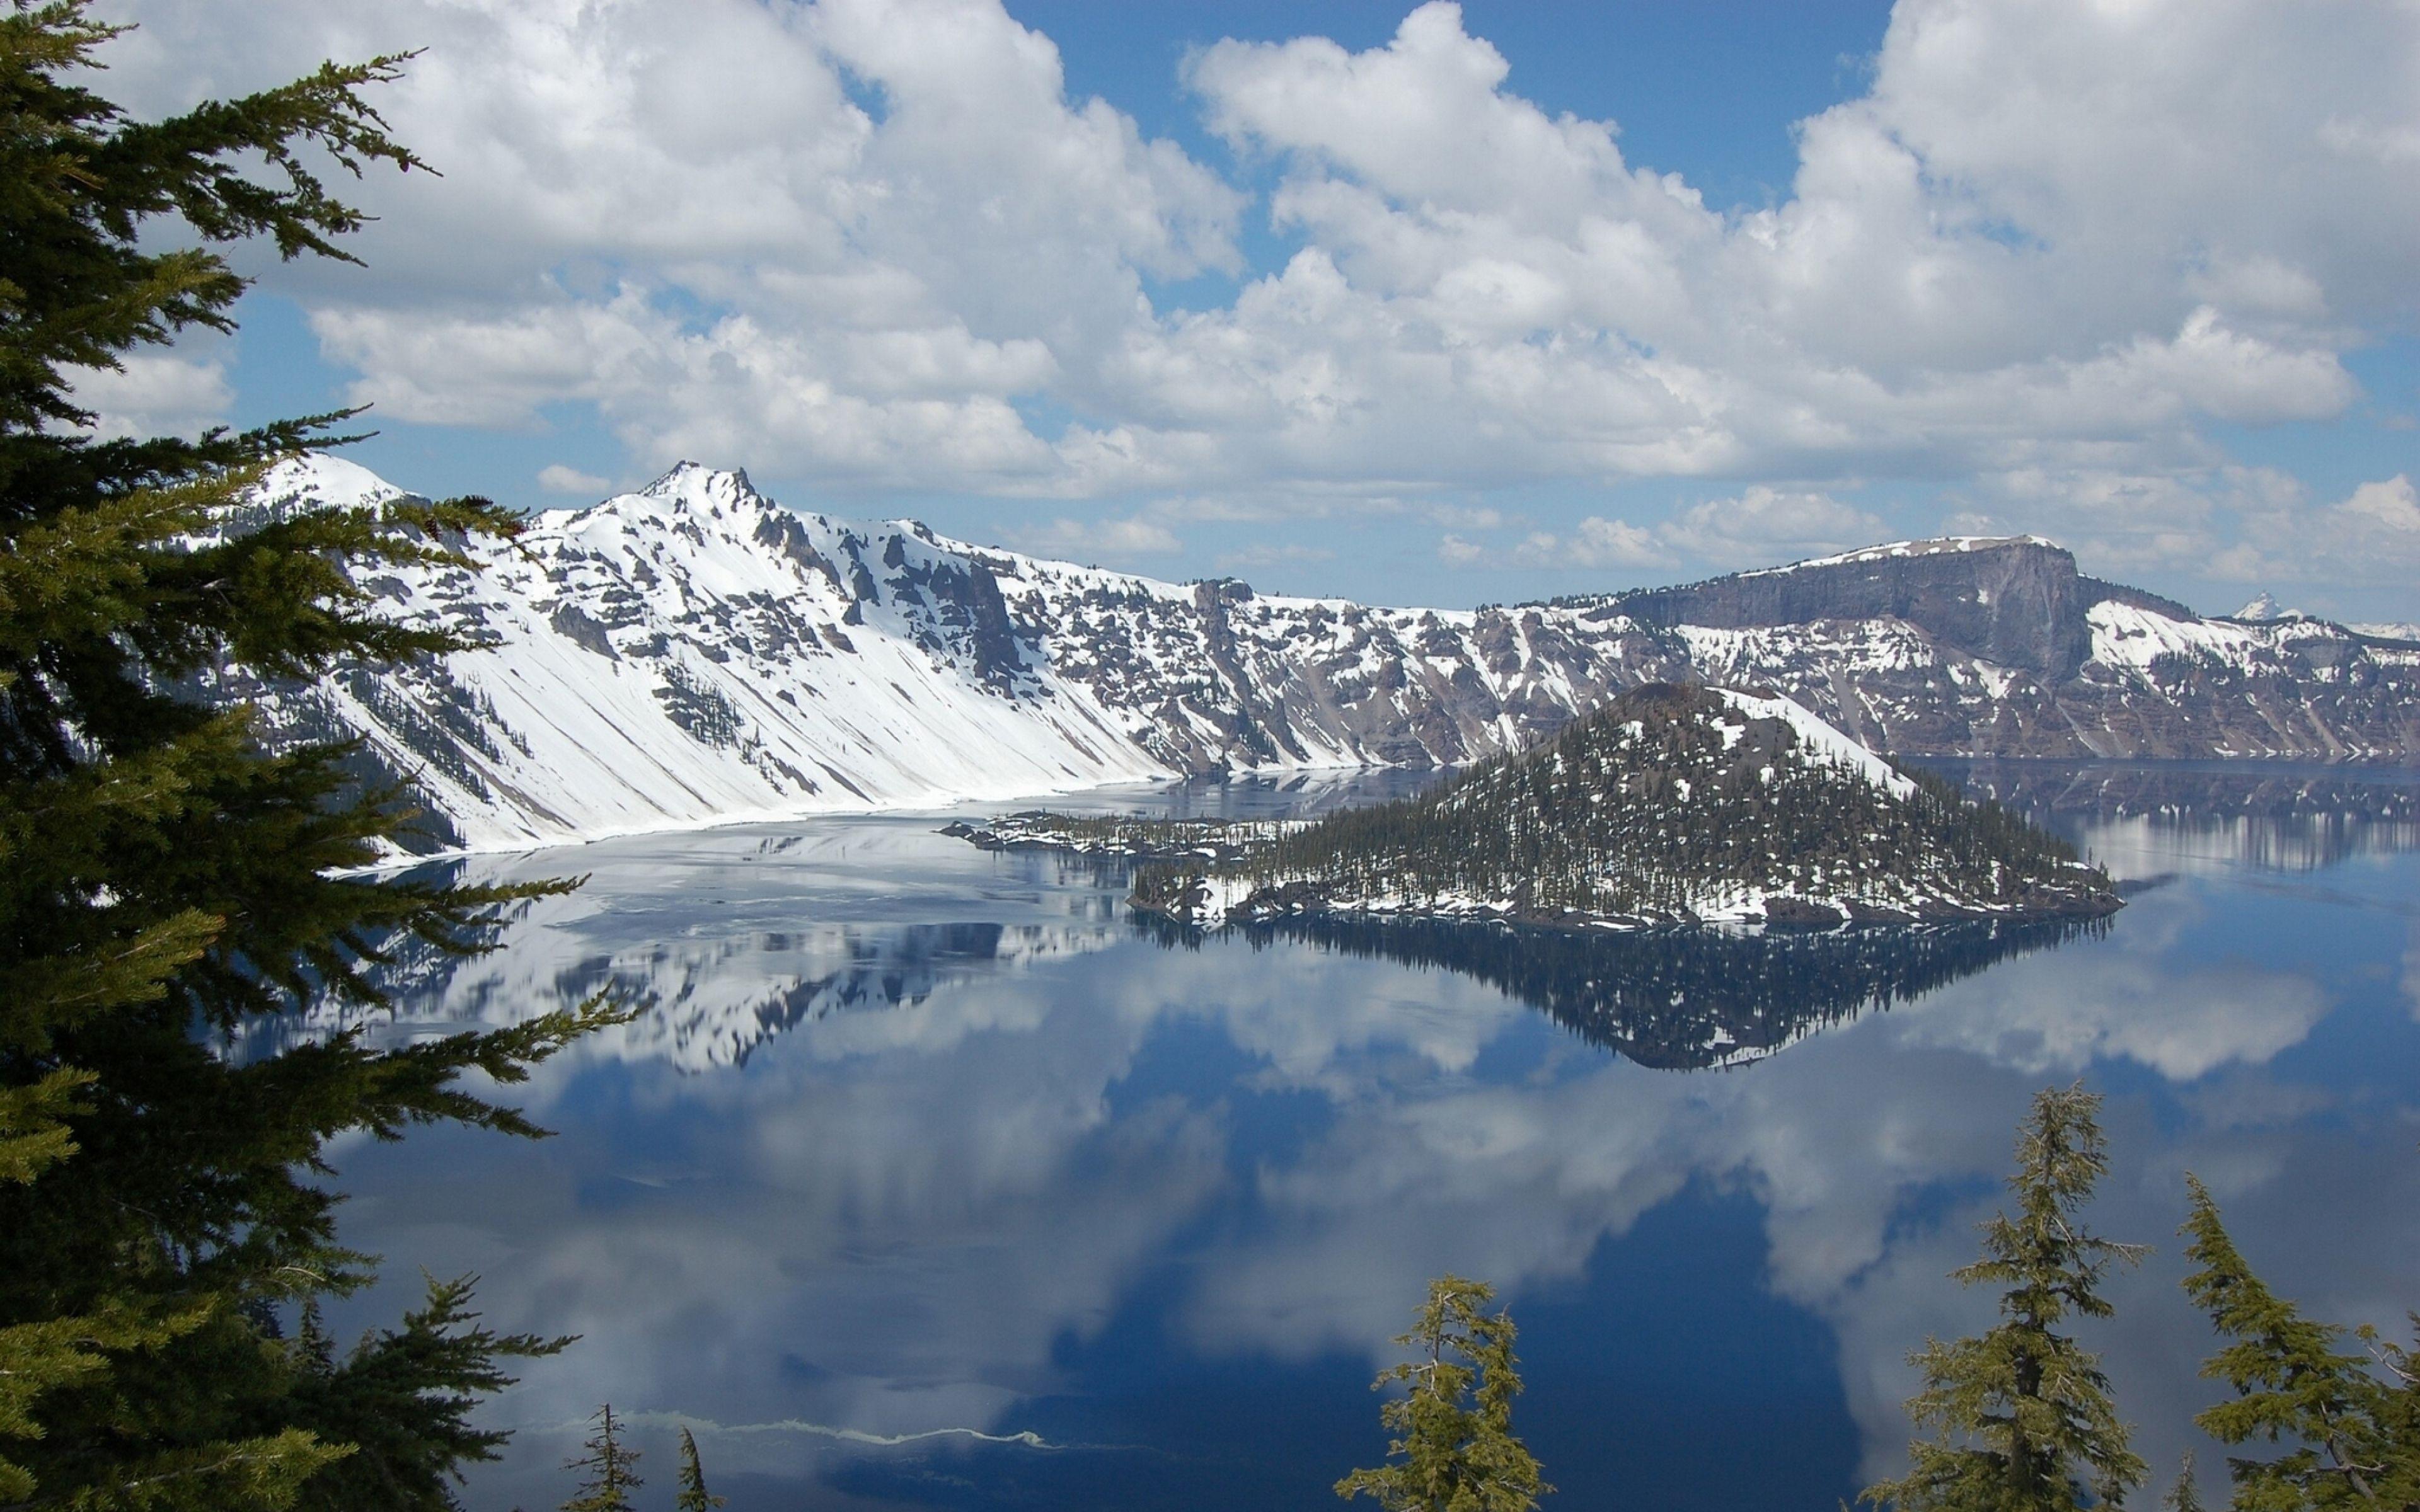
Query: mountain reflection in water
x,y
924,1149
2154,819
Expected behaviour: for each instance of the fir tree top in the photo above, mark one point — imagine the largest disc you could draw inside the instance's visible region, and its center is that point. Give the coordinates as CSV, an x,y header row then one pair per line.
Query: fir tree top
x,y
1454,1449
2022,1414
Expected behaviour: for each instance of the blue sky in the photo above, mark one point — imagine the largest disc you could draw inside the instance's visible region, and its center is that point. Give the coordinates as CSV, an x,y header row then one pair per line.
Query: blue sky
x,y
1446,305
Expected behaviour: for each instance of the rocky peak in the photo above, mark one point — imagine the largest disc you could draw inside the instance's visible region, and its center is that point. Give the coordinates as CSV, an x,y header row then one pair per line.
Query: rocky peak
x,y
694,485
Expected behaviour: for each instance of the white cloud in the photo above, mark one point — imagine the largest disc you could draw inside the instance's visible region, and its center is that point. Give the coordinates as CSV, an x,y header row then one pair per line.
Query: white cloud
x,y
2371,535
1763,525
167,393
1272,554
557,478
1758,527
848,241
1465,517
1596,543
2390,506
1096,540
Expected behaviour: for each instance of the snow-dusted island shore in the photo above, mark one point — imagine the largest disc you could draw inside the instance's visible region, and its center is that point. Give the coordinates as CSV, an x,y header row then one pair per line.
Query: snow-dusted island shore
x,y
1671,805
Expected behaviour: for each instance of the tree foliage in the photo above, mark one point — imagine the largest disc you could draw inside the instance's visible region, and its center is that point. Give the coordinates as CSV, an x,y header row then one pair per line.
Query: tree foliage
x,y
1454,1449
2185,1493
2023,1414
1659,801
694,1496
2349,1421
612,1470
165,872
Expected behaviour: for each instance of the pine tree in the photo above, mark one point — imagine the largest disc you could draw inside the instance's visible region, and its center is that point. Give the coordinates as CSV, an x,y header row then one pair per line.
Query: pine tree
x,y
2023,1415
161,871
613,1475
693,1497
2349,1429
2185,1495
1454,1446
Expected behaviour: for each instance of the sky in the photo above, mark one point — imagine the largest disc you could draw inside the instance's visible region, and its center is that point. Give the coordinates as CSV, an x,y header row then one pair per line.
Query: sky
x,y
1445,305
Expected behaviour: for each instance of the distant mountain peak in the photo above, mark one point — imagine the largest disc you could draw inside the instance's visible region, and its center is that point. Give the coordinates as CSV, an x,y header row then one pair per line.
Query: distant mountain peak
x,y
2261,608
694,483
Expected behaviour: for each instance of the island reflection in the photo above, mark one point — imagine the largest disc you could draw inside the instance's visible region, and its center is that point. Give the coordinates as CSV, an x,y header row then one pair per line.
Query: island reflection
x,y
1680,999
925,1149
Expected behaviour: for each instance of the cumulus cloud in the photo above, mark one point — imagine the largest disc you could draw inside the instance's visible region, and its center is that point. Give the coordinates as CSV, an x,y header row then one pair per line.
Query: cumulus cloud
x,y
1763,525
2372,535
1095,540
557,478
1758,527
850,241
155,394
1596,543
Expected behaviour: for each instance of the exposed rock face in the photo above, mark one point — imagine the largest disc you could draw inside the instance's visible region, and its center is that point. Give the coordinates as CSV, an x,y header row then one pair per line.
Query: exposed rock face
x,y
2017,602
694,651
2031,658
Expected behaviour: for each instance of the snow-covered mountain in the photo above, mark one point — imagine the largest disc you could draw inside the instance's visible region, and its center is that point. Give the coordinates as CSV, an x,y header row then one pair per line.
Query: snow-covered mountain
x,y
712,1000
694,653
2265,609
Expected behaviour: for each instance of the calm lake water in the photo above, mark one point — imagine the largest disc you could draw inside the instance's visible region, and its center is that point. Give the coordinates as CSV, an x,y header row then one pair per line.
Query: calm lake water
x,y
932,1181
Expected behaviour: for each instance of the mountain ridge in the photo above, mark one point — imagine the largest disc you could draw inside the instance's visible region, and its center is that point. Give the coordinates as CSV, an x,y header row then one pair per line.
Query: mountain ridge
x,y
694,653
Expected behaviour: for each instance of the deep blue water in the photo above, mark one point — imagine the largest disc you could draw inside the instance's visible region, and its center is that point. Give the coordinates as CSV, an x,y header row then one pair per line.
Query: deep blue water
x,y
933,1183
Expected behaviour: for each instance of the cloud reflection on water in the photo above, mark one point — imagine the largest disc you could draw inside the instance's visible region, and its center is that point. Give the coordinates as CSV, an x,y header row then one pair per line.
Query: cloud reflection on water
x,y
881,1169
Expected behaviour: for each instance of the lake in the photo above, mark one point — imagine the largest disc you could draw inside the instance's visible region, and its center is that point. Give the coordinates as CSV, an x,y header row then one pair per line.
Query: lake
x,y
931,1180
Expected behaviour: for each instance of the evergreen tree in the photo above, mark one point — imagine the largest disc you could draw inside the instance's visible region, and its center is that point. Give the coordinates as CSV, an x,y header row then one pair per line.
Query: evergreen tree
x,y
613,1475
2022,1414
2185,1495
1454,1450
693,1497
163,872
2350,1429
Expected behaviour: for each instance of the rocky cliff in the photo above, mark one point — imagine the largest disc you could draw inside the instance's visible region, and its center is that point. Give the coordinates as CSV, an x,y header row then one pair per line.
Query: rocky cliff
x,y
694,651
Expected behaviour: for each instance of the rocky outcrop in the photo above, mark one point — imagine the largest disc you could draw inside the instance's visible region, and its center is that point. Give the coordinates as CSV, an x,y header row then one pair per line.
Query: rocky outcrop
x,y
2017,603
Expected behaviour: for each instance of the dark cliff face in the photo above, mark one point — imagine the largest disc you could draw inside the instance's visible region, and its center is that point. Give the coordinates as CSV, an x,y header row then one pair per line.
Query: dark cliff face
x,y
2018,603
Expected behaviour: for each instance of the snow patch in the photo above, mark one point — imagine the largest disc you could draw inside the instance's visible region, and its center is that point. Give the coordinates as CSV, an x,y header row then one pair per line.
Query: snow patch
x,y
1822,743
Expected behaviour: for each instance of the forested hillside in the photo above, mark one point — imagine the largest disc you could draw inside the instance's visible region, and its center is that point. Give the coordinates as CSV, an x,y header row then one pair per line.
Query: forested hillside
x,y
1670,804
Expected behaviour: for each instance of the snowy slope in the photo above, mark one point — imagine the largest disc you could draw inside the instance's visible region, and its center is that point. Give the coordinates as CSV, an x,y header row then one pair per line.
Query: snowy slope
x,y
694,653
1817,742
